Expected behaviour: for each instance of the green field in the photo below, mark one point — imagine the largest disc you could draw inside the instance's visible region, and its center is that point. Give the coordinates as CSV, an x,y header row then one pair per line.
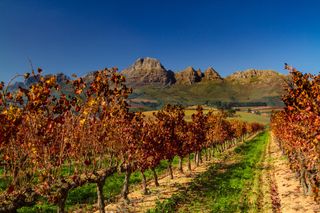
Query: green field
x,y
244,116
251,117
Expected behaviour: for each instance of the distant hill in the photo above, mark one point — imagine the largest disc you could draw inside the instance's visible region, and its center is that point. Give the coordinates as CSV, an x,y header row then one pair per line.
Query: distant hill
x,y
154,86
190,87
150,72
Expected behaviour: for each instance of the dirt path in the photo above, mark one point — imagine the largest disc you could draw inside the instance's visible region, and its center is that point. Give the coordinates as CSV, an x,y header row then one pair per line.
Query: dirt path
x,y
286,194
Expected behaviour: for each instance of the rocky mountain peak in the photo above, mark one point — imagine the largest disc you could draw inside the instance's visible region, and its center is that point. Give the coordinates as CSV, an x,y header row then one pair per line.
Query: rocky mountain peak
x,y
251,73
199,73
147,63
189,69
146,71
188,76
211,74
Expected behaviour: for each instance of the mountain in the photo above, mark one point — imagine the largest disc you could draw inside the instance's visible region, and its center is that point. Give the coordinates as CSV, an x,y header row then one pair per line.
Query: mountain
x,y
153,86
188,76
191,87
253,73
258,90
148,71
210,74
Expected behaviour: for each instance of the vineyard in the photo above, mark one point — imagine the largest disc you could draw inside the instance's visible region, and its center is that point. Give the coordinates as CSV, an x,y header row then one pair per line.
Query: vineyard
x,y
297,131
53,141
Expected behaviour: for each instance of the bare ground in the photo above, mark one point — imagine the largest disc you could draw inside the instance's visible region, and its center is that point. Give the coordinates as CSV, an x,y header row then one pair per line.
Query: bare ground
x,y
286,193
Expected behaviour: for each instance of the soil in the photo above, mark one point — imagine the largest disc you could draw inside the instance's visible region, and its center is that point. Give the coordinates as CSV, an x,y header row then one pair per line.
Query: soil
x,y
286,193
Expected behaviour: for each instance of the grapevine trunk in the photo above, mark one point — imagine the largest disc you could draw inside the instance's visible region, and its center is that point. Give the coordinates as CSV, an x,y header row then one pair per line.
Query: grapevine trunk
x,y
101,205
155,177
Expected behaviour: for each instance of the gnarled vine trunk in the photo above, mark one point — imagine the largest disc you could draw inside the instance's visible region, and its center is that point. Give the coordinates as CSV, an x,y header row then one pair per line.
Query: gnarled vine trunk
x,y
62,203
144,183
170,168
100,195
180,164
155,177
125,189
198,158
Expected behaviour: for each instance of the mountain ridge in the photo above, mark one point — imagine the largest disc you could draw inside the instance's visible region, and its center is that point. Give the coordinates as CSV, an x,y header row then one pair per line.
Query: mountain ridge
x,y
150,71
155,86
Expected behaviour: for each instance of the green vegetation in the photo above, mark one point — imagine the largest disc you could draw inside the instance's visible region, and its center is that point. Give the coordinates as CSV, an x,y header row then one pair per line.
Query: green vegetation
x,y
86,196
213,93
244,116
251,117
226,186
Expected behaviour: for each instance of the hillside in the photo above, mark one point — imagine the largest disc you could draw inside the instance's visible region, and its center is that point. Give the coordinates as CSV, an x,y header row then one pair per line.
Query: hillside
x,y
264,90
190,87
154,85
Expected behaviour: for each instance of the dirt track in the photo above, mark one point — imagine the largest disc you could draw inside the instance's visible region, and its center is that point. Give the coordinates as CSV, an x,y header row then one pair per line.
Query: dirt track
x,y
285,192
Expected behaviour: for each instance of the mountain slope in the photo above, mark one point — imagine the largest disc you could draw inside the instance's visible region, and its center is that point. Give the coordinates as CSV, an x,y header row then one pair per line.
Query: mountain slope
x,y
254,87
148,71
154,86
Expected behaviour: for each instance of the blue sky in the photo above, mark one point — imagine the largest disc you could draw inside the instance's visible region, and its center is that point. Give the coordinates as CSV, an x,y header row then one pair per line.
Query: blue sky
x,y
229,35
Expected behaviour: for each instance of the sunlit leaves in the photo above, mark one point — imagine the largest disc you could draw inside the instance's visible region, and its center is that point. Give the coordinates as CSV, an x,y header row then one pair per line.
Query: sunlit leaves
x,y
49,137
298,127
43,130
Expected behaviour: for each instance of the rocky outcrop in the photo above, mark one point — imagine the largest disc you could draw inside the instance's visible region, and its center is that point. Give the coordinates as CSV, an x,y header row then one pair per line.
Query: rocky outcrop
x,y
257,77
252,73
148,71
210,74
188,76
200,74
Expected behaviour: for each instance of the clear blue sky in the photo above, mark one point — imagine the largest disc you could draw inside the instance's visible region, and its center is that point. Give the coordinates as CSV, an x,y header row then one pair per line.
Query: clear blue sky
x,y
80,36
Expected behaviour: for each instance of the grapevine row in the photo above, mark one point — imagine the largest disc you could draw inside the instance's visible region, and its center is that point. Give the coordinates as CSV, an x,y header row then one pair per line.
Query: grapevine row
x,y
53,140
297,128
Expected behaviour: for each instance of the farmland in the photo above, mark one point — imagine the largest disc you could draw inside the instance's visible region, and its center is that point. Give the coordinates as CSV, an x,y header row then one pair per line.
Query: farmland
x,y
89,152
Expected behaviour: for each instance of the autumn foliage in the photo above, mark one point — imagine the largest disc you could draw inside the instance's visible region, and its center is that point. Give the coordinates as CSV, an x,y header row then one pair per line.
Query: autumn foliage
x,y
53,140
297,128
